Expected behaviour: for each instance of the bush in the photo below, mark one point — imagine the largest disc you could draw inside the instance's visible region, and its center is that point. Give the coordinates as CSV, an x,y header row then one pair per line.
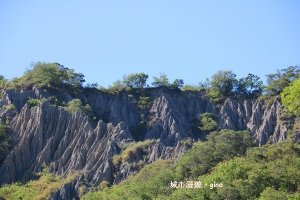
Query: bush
x,y
137,80
9,107
220,146
291,97
34,102
117,87
222,85
42,188
192,88
152,180
278,81
131,150
208,122
162,80
50,75
3,82
177,83
250,86
76,105
144,102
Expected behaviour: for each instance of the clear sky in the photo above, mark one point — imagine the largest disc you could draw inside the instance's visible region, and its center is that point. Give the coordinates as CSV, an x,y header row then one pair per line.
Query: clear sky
x,y
188,39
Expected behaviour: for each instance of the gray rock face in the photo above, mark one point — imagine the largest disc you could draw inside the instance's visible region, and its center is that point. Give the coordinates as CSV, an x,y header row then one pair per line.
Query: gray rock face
x,y
68,143
66,192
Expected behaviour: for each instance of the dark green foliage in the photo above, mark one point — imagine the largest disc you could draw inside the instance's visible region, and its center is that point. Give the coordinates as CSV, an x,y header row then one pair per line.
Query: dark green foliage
x,y
268,172
208,122
162,80
53,100
291,97
50,75
250,86
41,188
222,85
177,83
137,80
220,146
34,102
3,82
5,143
144,102
270,193
117,87
92,85
278,81
151,181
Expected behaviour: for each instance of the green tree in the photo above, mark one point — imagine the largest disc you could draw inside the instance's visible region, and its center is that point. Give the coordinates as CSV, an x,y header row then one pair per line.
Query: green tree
x,y
270,193
177,83
137,80
278,81
291,97
250,86
220,146
162,80
222,85
208,122
50,75
117,87
3,82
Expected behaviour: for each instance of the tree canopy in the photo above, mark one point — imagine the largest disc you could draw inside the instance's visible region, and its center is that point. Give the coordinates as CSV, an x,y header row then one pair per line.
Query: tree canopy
x,y
161,80
50,75
250,86
291,97
221,85
137,80
281,79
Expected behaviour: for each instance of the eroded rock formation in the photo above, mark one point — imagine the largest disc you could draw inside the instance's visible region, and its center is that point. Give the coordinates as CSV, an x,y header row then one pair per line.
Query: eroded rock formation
x,y
48,135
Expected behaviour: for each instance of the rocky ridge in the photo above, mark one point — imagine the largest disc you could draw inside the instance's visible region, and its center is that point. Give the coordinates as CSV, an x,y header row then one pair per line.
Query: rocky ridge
x,y
66,143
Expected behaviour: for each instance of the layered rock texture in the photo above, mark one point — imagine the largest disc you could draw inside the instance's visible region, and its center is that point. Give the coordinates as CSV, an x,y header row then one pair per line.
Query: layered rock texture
x,y
47,135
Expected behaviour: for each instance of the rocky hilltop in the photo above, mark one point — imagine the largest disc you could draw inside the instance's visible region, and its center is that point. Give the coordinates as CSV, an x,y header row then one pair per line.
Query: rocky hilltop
x,y
164,127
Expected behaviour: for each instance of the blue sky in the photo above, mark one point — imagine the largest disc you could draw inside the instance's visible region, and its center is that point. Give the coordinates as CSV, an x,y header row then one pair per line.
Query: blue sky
x,y
184,39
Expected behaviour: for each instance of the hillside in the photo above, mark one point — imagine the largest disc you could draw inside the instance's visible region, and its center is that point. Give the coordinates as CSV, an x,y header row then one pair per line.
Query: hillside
x,y
105,136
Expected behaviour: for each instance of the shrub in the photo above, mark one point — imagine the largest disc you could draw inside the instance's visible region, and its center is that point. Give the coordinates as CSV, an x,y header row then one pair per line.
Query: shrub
x,y
208,122
42,188
291,97
177,83
34,102
9,107
137,80
278,81
162,80
250,86
144,102
192,88
222,85
76,105
49,75
131,150
117,87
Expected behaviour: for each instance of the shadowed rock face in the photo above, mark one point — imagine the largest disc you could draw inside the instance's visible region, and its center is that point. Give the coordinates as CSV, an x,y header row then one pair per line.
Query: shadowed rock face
x,y
67,143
